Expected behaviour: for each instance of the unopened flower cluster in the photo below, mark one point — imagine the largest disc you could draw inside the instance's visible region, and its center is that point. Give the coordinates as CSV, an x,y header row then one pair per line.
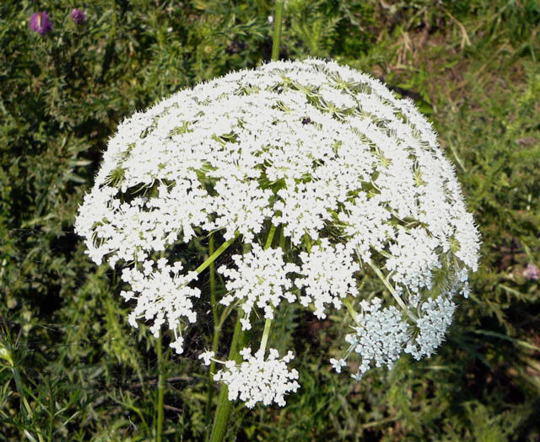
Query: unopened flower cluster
x,y
351,177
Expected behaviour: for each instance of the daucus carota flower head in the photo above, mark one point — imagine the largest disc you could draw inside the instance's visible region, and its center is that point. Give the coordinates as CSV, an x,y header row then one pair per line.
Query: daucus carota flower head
x,y
379,335
350,177
162,295
326,276
40,23
257,379
260,278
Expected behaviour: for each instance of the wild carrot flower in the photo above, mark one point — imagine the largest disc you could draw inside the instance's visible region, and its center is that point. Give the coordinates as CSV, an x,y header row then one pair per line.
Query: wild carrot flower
x,y
257,379
350,176
260,280
40,23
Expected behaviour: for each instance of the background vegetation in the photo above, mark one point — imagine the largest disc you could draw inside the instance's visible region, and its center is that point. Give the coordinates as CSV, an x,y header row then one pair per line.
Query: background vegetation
x,y
70,366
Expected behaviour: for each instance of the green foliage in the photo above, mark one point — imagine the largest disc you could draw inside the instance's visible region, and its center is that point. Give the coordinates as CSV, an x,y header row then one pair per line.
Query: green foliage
x,y
71,368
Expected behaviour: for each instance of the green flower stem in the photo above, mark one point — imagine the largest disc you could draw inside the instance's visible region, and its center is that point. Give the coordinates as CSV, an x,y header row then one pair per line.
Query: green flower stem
x,y
270,237
215,345
213,279
266,334
215,314
217,328
391,289
160,390
282,239
268,322
276,39
224,407
210,260
350,309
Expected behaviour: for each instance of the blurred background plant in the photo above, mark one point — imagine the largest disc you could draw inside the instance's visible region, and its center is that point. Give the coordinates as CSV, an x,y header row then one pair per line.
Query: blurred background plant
x,y
69,370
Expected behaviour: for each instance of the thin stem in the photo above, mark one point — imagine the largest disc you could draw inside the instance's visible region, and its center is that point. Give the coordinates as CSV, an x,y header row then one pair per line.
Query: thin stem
x,y
266,334
160,390
268,322
276,38
210,260
224,407
225,314
215,345
350,309
391,289
270,237
308,242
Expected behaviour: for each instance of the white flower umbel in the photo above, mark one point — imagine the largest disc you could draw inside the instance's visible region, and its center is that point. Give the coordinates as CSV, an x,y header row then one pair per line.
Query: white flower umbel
x,y
259,279
413,258
327,276
303,208
259,380
241,207
436,317
350,175
379,336
366,222
163,297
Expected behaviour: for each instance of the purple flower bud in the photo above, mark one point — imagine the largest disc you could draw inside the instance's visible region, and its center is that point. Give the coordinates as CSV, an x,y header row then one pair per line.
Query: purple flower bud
x,y
40,23
531,272
78,16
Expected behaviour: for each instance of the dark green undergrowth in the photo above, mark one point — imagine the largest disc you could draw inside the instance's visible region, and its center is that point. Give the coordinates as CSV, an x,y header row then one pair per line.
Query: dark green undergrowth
x,y
70,366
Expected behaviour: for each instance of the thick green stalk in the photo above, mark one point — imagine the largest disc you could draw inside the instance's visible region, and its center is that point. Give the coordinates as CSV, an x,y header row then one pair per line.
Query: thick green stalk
x,y
213,301
212,279
276,38
224,407
268,322
160,391
217,328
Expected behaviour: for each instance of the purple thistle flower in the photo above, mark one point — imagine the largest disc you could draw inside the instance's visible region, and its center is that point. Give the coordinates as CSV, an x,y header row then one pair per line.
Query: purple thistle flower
x,y
531,272
78,16
40,23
